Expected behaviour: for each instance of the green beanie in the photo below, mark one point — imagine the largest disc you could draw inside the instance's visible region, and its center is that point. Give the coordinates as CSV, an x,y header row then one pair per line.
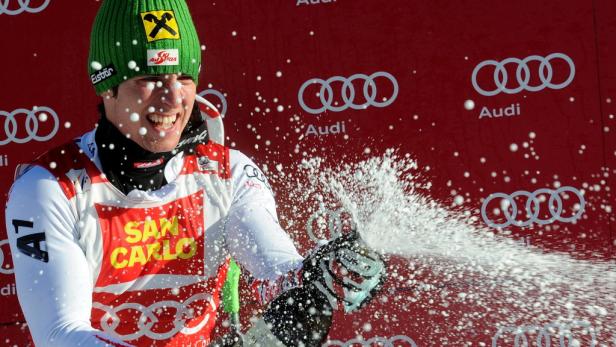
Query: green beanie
x,y
142,37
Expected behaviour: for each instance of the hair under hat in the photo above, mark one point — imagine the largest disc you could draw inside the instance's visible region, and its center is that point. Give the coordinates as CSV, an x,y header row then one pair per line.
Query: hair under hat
x,y
142,37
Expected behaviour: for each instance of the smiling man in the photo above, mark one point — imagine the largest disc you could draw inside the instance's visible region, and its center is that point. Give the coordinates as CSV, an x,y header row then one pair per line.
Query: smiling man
x,y
124,235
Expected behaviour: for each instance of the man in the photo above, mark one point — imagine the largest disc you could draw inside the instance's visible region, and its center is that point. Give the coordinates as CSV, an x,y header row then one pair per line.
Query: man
x,y
123,236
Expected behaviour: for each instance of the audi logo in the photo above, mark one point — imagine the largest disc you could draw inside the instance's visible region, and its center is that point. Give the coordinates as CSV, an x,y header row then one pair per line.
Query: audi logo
x,y
23,6
522,75
253,172
110,320
326,93
33,117
4,268
544,334
334,223
220,96
532,207
399,340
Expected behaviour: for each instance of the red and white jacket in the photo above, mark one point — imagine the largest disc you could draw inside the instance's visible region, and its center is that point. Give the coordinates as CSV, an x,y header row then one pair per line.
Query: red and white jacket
x,y
97,267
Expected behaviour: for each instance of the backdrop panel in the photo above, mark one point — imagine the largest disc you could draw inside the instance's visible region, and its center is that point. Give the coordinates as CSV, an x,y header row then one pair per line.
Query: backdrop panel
x,y
494,101
606,49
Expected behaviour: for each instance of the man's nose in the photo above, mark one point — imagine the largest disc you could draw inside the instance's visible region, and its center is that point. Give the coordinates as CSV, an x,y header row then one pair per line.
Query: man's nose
x,y
173,92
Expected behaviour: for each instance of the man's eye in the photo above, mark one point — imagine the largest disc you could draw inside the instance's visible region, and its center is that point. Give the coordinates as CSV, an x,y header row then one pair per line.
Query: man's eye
x,y
150,79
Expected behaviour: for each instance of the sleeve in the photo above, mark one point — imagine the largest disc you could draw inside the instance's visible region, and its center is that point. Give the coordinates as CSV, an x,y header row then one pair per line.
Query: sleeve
x,y
54,283
254,237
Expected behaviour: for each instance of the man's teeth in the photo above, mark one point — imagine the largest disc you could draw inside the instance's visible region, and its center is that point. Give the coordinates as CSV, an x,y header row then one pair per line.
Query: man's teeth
x,y
165,121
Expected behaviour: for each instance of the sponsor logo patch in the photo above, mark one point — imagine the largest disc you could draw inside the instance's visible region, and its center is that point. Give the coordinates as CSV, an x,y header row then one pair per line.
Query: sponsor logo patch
x,y
206,164
160,25
161,57
103,74
149,164
166,239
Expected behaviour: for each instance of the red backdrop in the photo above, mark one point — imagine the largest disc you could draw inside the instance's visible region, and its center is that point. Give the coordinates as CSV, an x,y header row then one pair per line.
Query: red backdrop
x,y
545,116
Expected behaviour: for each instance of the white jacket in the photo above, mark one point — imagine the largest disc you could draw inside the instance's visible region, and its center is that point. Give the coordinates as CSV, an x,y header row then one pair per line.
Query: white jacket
x,y
94,266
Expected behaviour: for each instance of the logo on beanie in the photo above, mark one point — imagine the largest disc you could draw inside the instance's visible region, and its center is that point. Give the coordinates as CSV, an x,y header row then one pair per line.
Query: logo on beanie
x,y
160,25
159,57
103,74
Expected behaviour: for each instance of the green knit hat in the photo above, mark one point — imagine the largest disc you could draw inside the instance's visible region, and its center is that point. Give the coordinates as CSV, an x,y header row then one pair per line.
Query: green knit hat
x,y
142,37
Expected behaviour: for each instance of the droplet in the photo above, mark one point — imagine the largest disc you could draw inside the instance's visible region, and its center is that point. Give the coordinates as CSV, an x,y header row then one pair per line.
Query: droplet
x,y
280,108
67,125
151,109
43,117
159,84
53,165
134,117
143,131
513,147
458,200
278,73
132,64
367,327
469,105
96,65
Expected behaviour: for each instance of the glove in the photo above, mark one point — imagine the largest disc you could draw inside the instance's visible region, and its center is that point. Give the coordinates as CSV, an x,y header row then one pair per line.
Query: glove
x,y
343,270
232,339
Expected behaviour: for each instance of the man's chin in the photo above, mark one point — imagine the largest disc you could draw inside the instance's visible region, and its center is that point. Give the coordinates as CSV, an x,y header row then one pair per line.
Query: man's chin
x,y
159,146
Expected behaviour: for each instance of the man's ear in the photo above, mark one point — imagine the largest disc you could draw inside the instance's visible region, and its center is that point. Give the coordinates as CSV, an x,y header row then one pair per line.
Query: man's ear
x,y
108,94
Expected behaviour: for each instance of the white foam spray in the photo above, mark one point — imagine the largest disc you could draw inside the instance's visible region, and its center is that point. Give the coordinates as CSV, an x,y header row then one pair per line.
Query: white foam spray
x,y
501,287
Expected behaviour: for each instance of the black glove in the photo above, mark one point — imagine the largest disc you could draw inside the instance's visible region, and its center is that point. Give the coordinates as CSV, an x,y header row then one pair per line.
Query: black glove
x,y
346,271
300,316
343,270
232,339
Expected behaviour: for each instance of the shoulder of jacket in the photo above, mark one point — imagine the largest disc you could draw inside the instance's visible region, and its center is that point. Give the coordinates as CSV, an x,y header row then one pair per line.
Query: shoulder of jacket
x,y
60,162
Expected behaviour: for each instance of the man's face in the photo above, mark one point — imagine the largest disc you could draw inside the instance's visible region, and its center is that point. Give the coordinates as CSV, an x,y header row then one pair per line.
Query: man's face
x,y
152,110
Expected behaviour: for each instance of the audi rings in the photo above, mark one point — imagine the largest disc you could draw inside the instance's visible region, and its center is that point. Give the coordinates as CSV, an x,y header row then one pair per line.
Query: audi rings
x,y
4,269
326,93
32,125
24,6
532,207
398,340
110,320
546,73
220,96
334,223
253,172
544,335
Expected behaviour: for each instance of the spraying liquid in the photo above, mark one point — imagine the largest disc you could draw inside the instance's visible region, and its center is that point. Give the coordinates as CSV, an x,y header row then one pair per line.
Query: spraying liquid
x,y
503,293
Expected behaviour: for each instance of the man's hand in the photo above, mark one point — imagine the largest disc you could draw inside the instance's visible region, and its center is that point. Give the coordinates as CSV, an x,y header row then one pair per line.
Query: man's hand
x,y
345,270
342,271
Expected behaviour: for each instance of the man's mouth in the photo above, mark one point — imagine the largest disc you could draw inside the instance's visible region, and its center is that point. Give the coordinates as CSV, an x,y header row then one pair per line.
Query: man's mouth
x,y
161,121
